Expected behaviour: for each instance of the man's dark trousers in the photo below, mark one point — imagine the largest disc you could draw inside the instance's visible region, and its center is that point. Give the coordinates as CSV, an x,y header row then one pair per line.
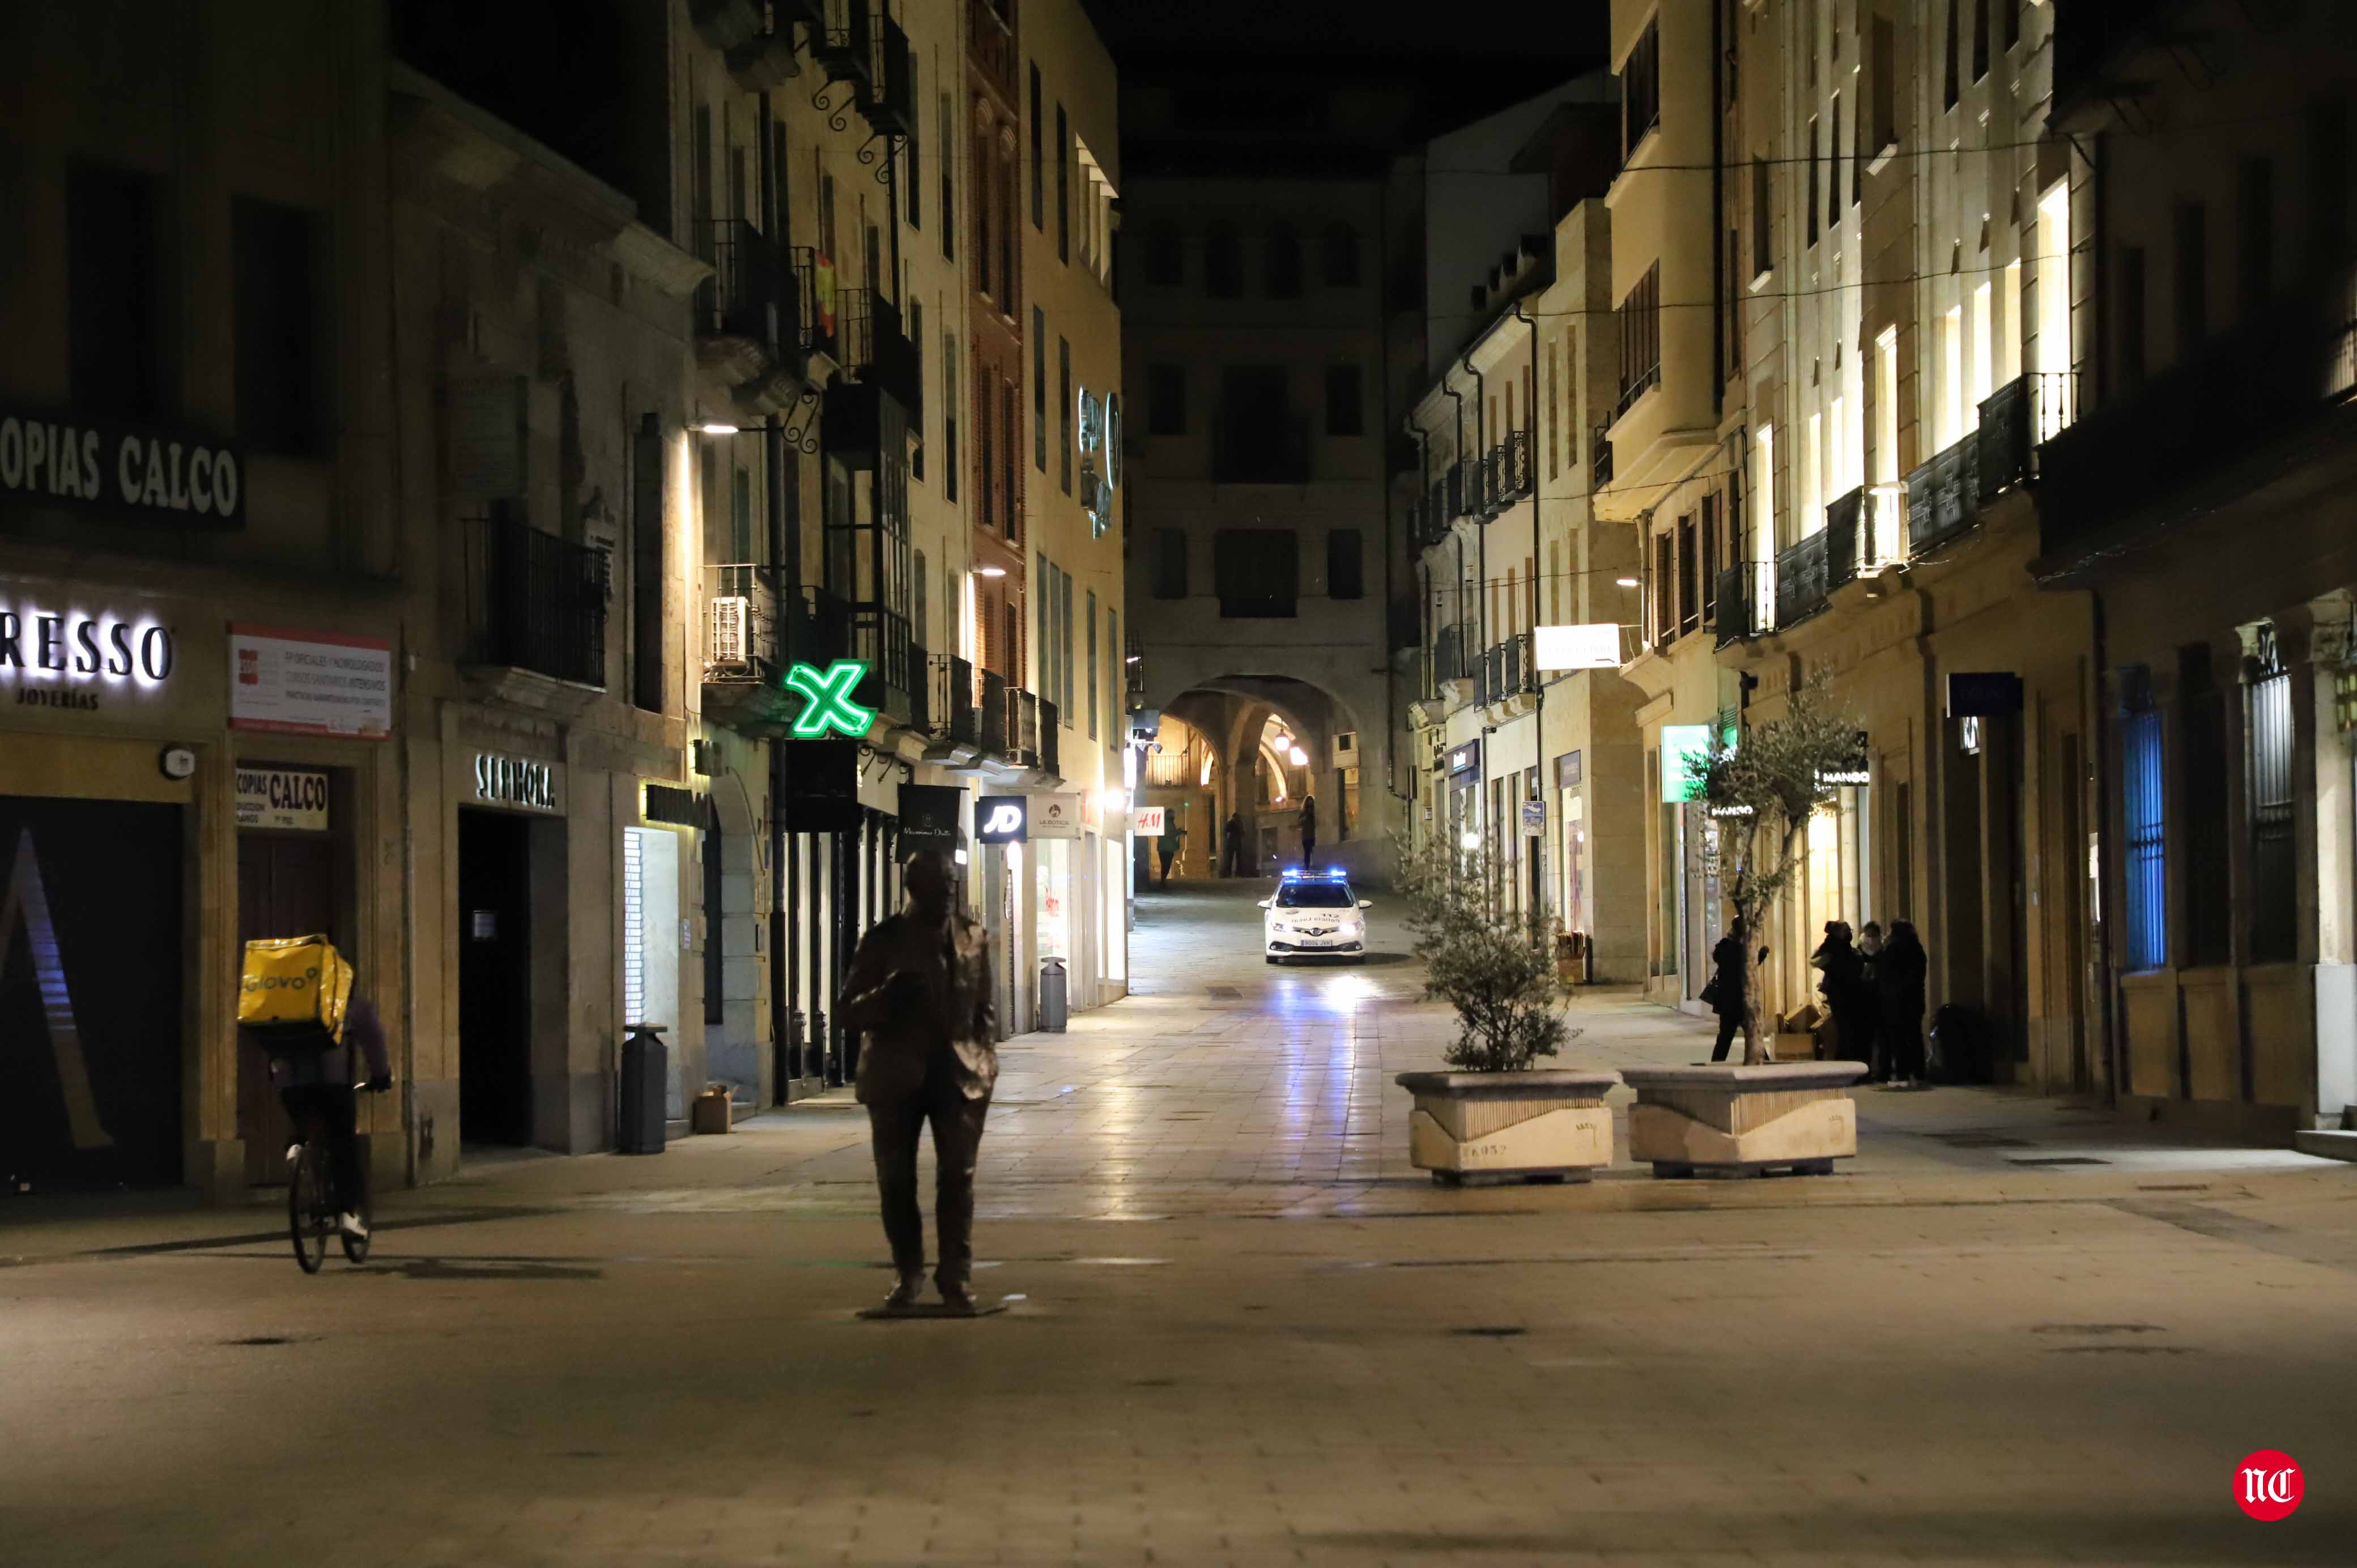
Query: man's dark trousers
x,y
893,1130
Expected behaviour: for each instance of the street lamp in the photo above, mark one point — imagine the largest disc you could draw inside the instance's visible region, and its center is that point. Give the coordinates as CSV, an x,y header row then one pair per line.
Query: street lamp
x,y
1300,757
1471,841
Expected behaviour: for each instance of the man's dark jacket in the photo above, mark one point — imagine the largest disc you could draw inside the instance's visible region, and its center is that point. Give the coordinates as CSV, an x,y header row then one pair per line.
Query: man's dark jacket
x,y
956,1021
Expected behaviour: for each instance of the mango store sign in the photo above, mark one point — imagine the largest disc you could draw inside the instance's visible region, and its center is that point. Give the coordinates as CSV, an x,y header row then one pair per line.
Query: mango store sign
x,y
65,656
100,463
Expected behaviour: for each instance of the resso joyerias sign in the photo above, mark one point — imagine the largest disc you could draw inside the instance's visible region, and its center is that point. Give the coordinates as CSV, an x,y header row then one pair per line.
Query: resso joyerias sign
x,y
171,478
59,657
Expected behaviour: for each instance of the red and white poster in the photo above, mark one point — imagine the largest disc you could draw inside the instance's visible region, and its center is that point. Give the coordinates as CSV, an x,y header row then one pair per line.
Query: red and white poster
x,y
310,682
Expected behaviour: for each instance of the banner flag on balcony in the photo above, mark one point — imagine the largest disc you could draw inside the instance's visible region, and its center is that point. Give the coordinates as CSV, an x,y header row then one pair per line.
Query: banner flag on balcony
x,y
827,700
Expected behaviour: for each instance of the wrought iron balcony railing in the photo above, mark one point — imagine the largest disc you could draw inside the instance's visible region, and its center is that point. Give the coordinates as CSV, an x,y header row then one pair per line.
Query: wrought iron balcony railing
x,y
536,602
1600,471
1743,590
955,709
1803,577
1506,669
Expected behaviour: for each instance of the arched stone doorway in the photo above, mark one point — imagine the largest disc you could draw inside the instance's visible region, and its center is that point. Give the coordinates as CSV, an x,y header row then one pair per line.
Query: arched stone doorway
x,y
1261,745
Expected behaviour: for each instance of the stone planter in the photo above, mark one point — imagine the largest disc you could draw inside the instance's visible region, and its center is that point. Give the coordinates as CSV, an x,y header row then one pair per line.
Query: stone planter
x,y
1725,1119
1476,1127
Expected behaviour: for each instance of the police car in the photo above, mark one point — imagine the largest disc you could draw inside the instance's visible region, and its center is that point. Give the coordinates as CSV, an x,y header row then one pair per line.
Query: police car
x,y
1314,914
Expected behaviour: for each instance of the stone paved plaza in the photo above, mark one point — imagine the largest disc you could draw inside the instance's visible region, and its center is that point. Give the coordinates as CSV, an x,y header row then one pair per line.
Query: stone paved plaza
x,y
1239,1329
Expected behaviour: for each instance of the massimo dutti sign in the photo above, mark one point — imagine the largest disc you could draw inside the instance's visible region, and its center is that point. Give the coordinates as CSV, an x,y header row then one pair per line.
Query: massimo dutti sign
x,y
161,476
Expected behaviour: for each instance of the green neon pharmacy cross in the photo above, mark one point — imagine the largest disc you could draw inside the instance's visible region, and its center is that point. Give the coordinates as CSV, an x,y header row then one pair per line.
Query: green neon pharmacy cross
x,y
827,704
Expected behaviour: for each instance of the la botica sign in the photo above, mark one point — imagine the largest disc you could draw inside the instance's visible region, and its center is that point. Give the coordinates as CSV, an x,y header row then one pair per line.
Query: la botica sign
x,y
57,653
70,460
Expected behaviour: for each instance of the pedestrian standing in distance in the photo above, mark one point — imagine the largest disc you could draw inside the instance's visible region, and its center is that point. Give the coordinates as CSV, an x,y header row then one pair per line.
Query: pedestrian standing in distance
x,y
1899,983
1167,846
920,989
1232,845
1869,1011
1843,977
1308,829
1727,986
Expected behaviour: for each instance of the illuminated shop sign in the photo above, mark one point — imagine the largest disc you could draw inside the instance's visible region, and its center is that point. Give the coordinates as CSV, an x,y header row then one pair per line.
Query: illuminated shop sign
x,y
515,781
1002,819
827,700
84,463
75,658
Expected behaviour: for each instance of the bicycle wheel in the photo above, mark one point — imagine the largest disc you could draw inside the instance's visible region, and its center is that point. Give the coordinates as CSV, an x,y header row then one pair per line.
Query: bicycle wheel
x,y
356,1247
306,1200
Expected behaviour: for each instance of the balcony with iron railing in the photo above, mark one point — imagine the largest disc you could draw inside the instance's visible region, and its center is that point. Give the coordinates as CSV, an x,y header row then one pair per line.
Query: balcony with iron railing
x,y
743,648
1945,495
996,711
1510,468
1451,659
2269,393
1745,592
750,326
877,362
842,43
956,708
1505,670
534,602
889,105
990,46
1600,464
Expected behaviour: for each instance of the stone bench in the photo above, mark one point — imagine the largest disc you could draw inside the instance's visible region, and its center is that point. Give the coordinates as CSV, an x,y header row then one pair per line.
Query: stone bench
x,y
1725,1119
1547,1124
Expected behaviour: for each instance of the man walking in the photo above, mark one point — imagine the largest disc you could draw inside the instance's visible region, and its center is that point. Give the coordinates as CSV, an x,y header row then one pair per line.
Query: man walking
x,y
1232,845
919,988
1308,829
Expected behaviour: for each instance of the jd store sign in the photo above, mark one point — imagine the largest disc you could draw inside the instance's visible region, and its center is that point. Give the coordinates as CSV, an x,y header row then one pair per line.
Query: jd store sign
x,y
1002,819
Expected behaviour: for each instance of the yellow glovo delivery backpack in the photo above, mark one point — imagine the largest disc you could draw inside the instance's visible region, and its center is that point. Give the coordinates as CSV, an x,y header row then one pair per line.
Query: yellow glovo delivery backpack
x,y
292,993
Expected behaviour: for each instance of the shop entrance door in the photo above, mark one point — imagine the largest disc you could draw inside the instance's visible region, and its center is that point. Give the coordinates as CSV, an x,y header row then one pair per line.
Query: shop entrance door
x,y
91,958
494,977
285,888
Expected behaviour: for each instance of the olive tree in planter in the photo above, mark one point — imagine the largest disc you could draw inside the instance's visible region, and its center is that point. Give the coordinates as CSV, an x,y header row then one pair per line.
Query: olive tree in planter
x,y
1761,792
1499,1116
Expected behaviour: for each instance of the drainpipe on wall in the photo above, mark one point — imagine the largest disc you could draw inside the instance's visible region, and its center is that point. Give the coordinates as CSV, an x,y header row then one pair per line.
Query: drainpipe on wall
x,y
1538,554
1718,209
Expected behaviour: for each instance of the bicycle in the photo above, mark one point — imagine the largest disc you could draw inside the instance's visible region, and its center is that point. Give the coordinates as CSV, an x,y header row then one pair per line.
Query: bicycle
x,y
312,1212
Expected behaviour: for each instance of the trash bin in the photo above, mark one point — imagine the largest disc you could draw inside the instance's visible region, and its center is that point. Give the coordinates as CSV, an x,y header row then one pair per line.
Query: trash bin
x,y
1051,995
645,1090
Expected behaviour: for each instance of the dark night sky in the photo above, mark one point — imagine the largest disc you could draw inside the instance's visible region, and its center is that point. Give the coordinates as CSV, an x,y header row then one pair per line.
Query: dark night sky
x,y
1391,31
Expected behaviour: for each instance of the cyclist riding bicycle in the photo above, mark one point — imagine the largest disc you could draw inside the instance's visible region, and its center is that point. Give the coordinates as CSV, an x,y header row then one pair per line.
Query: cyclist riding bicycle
x,y
320,1084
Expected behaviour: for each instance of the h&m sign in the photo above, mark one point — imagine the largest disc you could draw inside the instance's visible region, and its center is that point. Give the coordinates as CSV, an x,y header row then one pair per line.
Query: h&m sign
x,y
100,463
501,781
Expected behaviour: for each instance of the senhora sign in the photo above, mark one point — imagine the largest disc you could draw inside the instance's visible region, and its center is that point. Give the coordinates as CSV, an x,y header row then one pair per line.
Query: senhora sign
x,y
161,476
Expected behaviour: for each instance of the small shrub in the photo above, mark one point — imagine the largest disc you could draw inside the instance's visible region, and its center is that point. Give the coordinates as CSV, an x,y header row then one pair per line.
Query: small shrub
x,y
1494,968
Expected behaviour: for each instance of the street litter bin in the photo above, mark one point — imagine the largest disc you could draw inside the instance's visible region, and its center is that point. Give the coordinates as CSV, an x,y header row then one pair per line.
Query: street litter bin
x,y
645,1090
1051,995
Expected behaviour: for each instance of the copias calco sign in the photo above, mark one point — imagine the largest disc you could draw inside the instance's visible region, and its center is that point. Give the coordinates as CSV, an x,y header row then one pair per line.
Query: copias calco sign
x,y
78,462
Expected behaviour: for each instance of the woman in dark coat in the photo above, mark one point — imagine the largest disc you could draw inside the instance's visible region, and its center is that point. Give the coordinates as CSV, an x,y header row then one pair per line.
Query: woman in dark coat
x,y
1844,986
1899,984
1727,980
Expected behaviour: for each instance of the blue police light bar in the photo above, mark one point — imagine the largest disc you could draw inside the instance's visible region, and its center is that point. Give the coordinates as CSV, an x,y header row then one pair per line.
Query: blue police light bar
x,y
1302,873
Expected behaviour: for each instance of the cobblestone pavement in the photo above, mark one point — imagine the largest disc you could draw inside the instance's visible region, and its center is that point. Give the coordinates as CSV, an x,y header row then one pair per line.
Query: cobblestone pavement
x,y
1239,1330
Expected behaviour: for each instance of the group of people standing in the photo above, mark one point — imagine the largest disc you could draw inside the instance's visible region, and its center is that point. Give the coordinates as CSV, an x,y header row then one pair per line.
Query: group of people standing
x,y
1230,851
1873,986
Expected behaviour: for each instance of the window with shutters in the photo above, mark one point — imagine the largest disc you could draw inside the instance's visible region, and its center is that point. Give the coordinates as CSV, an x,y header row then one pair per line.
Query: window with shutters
x,y
1345,569
1166,400
1169,559
1640,89
1689,590
1257,572
1641,337
1664,587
